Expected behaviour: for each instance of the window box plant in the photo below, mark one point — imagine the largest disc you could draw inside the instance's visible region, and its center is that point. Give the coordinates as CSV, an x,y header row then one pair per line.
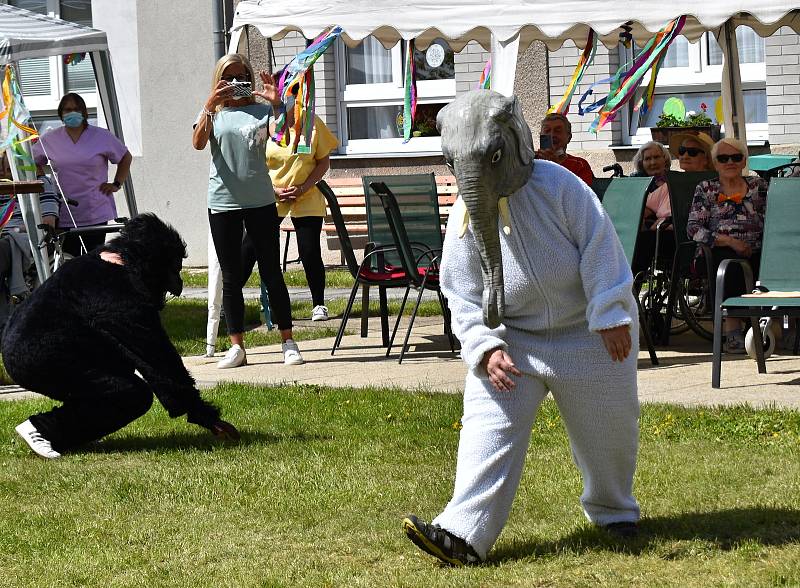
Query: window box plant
x,y
693,122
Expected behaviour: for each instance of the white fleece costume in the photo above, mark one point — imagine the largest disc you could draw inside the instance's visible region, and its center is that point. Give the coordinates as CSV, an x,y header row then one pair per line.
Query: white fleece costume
x,y
566,277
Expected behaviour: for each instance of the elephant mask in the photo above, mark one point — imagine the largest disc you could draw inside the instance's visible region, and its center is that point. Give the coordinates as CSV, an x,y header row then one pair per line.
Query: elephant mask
x,y
488,146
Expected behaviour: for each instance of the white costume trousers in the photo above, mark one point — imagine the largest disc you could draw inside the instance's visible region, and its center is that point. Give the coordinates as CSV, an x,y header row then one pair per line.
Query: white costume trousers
x,y
600,411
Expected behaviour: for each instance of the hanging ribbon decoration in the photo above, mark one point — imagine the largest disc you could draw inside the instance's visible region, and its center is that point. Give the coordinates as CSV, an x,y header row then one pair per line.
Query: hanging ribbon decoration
x,y
74,58
485,83
410,86
628,78
13,121
586,59
299,74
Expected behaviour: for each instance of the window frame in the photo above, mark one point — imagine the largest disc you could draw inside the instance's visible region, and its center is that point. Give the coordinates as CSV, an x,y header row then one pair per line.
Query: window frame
x,y
385,94
698,77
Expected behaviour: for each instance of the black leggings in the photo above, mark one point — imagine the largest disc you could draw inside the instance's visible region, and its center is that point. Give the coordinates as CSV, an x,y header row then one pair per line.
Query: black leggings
x,y
734,277
262,227
97,402
307,229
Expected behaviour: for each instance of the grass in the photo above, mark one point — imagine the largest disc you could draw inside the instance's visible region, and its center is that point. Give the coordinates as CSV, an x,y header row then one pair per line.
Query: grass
x,y
294,278
185,321
315,492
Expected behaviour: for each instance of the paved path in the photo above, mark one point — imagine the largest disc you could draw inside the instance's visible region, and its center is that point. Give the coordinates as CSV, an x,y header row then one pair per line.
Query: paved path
x,y
684,376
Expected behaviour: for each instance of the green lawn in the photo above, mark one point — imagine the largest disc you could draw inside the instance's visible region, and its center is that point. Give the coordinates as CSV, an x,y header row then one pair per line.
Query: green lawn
x,y
315,492
294,278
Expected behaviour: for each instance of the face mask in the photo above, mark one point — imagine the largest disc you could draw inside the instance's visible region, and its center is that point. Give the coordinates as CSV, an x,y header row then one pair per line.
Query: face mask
x,y
73,119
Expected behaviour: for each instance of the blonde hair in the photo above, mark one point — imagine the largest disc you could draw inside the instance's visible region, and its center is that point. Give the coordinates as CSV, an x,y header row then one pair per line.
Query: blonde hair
x,y
229,59
730,142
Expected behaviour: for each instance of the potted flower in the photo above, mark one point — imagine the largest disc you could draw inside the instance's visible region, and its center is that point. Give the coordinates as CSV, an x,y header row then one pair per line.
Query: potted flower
x,y
672,121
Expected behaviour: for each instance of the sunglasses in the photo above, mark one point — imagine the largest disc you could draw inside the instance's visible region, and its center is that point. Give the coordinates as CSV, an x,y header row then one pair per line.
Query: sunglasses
x,y
240,77
692,151
735,157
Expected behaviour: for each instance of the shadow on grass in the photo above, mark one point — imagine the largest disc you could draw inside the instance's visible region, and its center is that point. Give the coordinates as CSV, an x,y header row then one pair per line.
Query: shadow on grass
x,y
182,441
724,530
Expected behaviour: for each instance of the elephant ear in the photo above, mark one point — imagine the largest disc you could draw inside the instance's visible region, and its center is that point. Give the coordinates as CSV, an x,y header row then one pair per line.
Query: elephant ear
x,y
509,113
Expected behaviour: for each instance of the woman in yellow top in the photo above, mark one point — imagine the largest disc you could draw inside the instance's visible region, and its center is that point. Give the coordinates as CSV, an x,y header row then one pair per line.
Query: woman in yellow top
x,y
294,177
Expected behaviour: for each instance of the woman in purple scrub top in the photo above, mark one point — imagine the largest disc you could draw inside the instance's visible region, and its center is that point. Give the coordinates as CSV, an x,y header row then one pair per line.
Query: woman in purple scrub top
x,y
79,154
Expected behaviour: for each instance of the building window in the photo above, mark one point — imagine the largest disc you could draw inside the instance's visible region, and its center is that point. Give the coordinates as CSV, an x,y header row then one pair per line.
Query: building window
x,y
692,72
44,80
371,95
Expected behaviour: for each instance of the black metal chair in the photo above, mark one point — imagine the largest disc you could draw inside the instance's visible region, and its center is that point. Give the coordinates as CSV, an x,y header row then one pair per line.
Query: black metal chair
x,y
364,274
420,263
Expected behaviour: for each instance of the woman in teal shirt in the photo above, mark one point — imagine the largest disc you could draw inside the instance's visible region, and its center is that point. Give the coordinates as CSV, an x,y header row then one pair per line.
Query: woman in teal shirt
x,y
240,195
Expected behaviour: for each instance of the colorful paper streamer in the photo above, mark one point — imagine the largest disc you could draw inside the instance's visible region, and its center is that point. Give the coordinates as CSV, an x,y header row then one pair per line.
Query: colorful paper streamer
x,y
14,130
485,83
586,59
299,74
410,87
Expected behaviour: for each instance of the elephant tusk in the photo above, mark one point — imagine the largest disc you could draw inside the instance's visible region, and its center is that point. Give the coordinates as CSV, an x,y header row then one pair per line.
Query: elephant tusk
x,y
460,216
502,206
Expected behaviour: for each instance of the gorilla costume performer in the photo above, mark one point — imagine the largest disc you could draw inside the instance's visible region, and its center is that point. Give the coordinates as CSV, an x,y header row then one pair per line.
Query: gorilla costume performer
x,y
547,306
81,335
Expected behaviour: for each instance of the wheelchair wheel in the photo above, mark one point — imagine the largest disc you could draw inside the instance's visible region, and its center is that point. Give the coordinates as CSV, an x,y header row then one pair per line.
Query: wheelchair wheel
x,y
654,300
695,308
770,332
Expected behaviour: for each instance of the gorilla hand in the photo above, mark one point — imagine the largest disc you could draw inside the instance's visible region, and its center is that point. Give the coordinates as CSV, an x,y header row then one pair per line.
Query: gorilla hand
x,y
207,416
225,431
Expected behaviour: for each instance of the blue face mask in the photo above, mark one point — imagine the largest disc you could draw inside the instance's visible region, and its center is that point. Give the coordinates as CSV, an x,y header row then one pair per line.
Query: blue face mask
x,y
73,119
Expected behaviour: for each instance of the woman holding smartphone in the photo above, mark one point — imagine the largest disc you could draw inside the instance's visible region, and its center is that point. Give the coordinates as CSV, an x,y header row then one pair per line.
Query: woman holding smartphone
x,y
240,195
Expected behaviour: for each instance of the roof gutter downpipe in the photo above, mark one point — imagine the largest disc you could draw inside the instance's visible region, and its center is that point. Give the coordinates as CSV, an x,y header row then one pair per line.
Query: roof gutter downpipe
x,y
222,16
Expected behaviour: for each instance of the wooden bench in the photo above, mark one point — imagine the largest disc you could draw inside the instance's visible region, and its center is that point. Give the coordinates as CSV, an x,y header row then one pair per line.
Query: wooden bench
x,y
350,195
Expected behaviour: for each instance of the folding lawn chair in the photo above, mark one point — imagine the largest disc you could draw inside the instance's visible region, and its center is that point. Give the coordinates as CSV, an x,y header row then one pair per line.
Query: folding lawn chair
x,y
779,275
624,201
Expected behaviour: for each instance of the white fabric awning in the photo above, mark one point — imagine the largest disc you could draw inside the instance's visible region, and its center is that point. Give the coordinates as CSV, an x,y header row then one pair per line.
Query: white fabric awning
x,y
25,34
550,21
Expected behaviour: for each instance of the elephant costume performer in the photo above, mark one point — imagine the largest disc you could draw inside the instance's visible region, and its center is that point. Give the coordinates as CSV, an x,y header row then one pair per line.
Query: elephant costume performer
x,y
550,289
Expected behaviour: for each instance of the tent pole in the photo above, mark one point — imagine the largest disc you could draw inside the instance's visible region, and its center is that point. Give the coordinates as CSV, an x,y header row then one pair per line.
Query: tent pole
x,y
731,83
108,97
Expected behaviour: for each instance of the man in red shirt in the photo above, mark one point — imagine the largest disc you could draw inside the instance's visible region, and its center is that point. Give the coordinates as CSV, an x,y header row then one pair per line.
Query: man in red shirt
x,y
559,129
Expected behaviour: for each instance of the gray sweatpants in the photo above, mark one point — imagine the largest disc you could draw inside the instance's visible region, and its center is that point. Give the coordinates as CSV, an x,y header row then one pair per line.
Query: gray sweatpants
x,y
600,410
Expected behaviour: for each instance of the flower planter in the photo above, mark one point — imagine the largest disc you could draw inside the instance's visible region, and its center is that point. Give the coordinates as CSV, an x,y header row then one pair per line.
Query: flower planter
x,y
664,134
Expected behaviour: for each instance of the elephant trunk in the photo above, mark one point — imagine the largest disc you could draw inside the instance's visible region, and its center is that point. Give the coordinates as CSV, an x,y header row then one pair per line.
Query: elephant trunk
x,y
481,203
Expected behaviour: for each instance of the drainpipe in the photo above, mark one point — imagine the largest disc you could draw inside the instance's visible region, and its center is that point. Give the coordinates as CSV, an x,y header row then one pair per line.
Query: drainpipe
x,y
221,18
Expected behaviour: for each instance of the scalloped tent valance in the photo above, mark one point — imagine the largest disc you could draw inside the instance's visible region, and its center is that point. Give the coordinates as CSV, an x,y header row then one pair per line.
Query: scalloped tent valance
x,y
550,21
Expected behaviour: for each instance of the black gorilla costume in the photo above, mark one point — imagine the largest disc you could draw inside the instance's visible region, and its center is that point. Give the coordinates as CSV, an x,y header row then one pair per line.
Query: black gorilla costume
x,y
79,337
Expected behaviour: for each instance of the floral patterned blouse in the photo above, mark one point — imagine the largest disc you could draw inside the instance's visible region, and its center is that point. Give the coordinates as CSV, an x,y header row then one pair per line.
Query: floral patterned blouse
x,y
713,213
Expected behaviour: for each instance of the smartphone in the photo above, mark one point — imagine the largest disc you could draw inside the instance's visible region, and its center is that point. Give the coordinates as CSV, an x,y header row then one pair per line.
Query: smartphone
x,y
241,89
545,142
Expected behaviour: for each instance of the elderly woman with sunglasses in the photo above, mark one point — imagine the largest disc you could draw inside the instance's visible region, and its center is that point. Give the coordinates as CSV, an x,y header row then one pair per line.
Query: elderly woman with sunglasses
x,y
694,155
727,214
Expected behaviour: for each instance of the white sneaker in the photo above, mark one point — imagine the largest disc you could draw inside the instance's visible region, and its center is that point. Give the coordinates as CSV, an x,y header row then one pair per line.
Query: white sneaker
x,y
291,354
235,357
34,439
320,313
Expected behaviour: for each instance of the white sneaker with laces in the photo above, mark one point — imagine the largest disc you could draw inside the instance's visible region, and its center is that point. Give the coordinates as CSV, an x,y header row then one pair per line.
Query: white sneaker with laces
x,y
235,357
34,439
291,354
320,313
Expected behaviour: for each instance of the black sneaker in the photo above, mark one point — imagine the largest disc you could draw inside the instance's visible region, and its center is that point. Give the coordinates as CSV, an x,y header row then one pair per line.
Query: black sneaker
x,y
623,529
439,543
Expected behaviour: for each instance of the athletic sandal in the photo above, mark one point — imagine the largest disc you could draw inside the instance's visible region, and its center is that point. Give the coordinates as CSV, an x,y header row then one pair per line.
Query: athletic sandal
x,y
439,543
35,441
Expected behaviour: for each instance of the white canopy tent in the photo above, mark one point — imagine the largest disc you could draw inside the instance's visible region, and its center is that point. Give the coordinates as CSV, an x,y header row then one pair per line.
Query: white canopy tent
x,y
24,35
507,26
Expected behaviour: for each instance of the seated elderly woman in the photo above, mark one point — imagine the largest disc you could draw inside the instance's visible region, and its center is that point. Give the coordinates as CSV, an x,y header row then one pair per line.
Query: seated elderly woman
x,y
694,155
727,214
654,160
